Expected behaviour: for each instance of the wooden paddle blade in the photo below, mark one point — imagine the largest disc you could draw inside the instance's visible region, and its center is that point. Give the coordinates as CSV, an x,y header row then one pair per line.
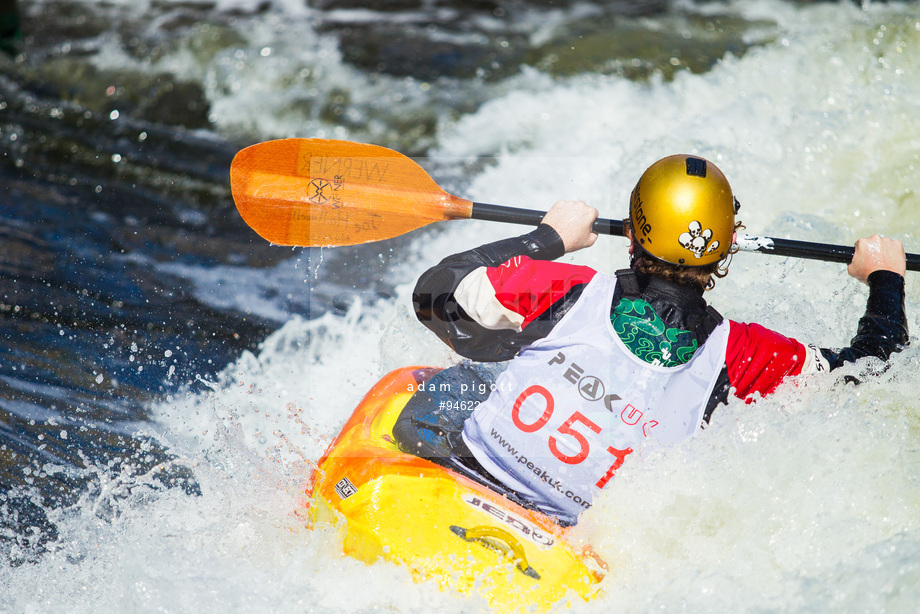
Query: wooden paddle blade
x,y
321,193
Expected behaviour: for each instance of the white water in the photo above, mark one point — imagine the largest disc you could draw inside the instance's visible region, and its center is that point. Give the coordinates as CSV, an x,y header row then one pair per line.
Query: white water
x,y
806,501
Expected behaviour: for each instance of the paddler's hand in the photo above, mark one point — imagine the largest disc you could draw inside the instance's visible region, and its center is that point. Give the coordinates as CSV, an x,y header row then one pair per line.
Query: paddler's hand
x,y
573,221
877,253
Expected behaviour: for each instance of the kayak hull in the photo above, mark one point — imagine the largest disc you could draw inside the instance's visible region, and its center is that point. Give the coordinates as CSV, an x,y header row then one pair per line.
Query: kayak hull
x,y
442,526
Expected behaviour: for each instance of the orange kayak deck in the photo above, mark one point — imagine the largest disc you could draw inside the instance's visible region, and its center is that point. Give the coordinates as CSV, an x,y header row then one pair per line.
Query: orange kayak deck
x,y
442,526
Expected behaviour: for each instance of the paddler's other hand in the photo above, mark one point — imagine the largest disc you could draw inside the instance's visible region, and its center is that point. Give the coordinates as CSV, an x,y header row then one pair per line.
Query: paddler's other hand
x,y
573,221
877,253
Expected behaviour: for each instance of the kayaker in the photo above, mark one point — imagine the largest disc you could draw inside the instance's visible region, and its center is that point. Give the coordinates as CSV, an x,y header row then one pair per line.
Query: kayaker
x,y
599,363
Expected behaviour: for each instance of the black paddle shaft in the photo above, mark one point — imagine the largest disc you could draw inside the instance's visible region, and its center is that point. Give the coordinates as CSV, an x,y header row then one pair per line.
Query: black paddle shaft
x,y
765,245
531,217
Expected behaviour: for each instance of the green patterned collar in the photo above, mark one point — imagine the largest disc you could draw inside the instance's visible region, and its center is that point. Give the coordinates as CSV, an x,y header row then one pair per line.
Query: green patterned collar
x,y
648,337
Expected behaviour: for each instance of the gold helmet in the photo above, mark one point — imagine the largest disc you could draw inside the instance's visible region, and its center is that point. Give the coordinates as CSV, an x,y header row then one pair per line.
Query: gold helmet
x,y
682,211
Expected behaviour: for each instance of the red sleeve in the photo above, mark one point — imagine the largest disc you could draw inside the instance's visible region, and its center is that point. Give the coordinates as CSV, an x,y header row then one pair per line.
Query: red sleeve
x,y
529,287
758,359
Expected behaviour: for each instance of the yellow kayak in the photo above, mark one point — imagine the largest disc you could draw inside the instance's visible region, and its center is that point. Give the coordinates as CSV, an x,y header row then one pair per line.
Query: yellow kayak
x,y
443,526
